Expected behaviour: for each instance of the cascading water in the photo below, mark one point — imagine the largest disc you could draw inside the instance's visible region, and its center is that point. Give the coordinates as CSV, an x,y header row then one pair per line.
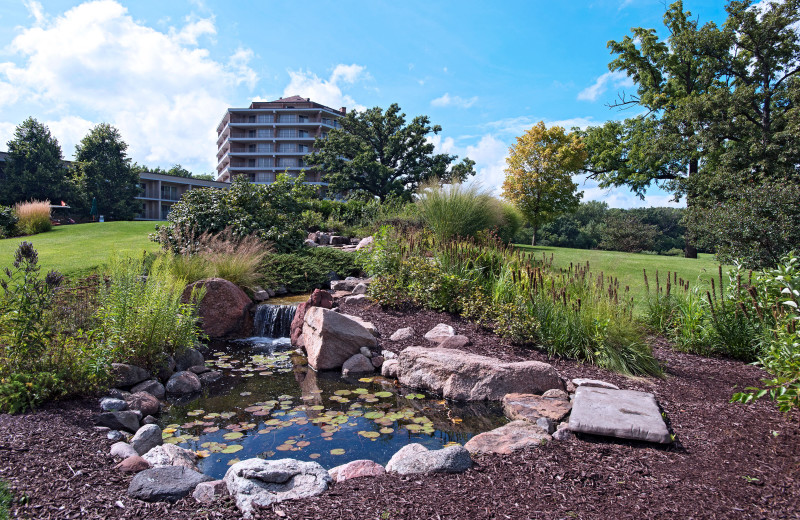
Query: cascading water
x,y
273,321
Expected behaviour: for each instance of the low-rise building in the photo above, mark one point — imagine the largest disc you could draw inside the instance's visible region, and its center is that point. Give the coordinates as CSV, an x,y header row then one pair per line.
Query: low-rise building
x,y
159,192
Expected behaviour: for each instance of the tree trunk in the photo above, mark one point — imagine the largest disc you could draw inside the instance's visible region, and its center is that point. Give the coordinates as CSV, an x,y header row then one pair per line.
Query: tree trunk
x,y
533,237
690,250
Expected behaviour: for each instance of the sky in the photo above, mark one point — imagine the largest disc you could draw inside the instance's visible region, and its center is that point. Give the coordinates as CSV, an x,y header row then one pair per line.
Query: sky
x,y
164,72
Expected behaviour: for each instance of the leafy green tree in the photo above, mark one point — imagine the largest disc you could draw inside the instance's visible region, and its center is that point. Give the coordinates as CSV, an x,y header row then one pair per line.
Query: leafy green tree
x,y
627,231
539,174
378,153
34,169
103,167
205,177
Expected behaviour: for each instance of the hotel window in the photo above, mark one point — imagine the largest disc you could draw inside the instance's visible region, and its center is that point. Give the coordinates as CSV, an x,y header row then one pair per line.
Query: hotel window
x,y
264,162
265,148
287,132
287,118
264,118
169,193
302,133
265,132
302,148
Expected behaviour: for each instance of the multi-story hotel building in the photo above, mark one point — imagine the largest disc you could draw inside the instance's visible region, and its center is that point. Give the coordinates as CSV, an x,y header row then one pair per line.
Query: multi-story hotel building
x,y
271,137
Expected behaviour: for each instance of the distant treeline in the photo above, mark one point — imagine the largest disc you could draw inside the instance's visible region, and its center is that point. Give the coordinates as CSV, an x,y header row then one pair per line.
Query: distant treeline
x,y
596,226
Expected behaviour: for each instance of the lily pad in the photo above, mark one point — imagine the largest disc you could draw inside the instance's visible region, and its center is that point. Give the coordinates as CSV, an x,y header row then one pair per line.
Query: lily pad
x,y
233,448
232,436
383,394
337,451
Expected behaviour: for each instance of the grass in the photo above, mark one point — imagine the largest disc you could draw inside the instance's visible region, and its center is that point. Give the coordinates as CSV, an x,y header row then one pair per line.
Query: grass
x,y
34,217
628,266
80,249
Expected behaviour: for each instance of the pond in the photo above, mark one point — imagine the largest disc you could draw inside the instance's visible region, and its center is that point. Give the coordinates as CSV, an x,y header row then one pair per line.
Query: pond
x,y
270,404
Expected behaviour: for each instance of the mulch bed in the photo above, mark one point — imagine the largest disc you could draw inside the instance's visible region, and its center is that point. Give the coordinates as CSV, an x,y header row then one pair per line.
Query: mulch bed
x,y
730,461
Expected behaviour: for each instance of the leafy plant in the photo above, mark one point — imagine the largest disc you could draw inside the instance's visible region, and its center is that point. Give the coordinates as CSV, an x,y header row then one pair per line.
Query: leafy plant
x,y
307,269
6,498
19,392
8,221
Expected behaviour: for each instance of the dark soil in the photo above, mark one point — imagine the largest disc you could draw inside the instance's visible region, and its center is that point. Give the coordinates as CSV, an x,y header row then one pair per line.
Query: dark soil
x,y
729,461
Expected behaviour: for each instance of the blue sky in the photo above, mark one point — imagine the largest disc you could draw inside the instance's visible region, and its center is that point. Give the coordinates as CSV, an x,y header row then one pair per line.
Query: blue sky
x,y
164,72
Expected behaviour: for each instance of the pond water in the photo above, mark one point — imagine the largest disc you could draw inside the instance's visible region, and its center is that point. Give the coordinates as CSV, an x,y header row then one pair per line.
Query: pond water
x,y
270,404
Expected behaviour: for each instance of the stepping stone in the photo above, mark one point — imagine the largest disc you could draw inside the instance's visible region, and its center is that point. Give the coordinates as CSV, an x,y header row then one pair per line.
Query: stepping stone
x,y
514,436
626,414
582,381
530,407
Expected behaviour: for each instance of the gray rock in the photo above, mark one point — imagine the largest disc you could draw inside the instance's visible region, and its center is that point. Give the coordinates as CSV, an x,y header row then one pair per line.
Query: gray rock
x,y
348,284
115,435
366,352
165,484
389,368
210,377
149,420
360,289
563,434
388,354
331,338
514,436
440,333
188,357
122,450
625,414
310,243
324,239
402,334
271,293
339,240
281,290
112,404
595,383
366,324
116,393
355,298
457,342
152,387
462,376
417,459
555,393
365,243
171,455
357,364
147,438
128,375
261,295
199,369
377,361
182,383
546,424
125,420
208,492
259,482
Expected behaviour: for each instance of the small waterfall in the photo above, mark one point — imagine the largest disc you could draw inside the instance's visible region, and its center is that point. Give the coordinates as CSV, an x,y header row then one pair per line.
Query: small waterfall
x,y
273,321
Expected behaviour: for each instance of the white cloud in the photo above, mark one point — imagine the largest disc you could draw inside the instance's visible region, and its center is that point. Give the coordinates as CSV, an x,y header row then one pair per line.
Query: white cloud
x,y
442,145
623,197
617,79
35,10
6,133
163,92
447,100
328,92
515,126
69,131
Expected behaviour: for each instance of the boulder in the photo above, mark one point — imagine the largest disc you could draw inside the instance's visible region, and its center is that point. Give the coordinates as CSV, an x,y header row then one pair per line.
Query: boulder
x,y
171,455
324,239
626,414
357,364
114,435
555,393
112,404
314,236
440,333
259,482
125,376
116,393
143,402
223,310
188,357
529,407
124,420
356,469
563,434
318,298
149,420
199,369
310,243
364,323
457,342
182,383
389,368
348,284
388,354
133,464
165,484
377,361
213,376
364,350
330,338
402,334
516,435
207,492
337,240
356,298
365,243
122,450
152,387
360,289
415,459
458,375
147,438
596,383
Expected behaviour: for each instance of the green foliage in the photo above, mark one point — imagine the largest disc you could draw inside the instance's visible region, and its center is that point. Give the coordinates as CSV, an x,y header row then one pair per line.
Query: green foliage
x,y
34,169
456,210
378,153
143,317
8,222
624,231
6,498
272,212
569,313
103,169
307,269
19,392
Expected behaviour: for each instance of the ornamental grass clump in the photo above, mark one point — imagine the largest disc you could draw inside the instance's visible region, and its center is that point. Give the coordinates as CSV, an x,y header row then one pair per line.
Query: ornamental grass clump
x,y
33,217
455,210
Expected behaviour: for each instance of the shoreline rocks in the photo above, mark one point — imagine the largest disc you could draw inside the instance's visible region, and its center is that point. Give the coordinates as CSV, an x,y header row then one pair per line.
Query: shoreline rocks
x,y
331,339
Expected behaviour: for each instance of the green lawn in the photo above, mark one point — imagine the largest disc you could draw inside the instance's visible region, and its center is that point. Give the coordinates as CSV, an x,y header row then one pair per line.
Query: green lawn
x,y
628,266
79,249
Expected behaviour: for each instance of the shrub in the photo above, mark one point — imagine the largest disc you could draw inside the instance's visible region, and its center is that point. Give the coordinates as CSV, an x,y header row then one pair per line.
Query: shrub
x,y
143,317
625,231
18,392
6,498
34,217
8,222
456,210
308,269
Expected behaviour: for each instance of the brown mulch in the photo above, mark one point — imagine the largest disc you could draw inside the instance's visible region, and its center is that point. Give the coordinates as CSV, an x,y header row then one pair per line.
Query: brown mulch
x,y
730,461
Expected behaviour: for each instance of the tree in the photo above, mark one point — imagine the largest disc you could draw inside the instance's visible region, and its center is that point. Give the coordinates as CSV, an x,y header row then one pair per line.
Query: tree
x,y
626,231
378,153
539,174
205,176
105,170
34,169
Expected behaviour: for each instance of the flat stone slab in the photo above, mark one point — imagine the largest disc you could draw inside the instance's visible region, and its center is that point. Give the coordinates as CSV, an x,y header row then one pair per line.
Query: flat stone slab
x,y
626,414
165,484
582,381
530,407
514,436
